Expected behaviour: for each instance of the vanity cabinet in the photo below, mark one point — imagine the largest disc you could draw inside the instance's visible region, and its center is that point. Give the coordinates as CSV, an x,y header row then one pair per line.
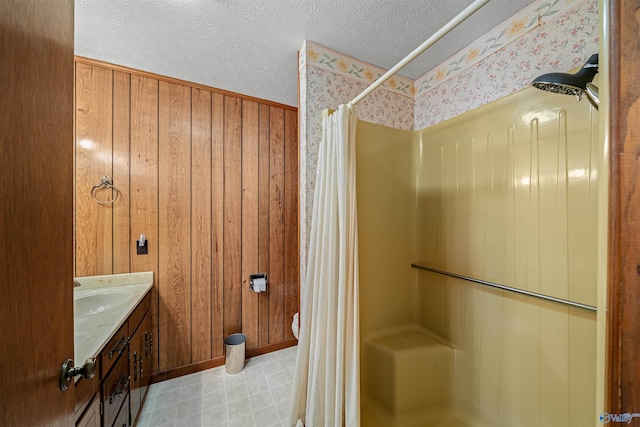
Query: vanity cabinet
x,y
123,417
115,388
140,351
114,397
116,347
91,417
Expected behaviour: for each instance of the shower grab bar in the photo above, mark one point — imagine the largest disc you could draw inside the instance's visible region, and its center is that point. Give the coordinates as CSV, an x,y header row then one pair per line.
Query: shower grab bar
x,y
508,288
467,12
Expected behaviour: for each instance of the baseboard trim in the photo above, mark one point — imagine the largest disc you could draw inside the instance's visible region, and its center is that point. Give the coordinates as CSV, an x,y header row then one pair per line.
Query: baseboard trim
x,y
187,369
217,361
271,348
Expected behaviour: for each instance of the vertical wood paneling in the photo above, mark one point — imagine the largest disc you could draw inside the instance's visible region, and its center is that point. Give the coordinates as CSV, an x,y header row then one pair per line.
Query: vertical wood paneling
x,y
174,272
217,223
250,215
201,225
144,183
291,232
122,242
263,221
94,222
276,225
232,215
212,182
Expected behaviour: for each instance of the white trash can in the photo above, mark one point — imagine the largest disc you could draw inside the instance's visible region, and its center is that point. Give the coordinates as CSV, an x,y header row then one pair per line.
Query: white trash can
x,y
234,346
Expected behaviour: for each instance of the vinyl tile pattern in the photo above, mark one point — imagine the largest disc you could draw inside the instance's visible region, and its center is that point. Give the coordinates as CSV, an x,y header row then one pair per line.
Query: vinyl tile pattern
x,y
259,396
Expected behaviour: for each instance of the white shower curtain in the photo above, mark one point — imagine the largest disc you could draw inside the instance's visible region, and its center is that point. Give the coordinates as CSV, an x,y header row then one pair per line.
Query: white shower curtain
x,y
327,375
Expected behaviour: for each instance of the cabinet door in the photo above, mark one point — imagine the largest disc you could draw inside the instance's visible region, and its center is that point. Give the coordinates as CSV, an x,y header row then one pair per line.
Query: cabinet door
x,y
123,416
136,349
140,363
115,389
91,417
147,354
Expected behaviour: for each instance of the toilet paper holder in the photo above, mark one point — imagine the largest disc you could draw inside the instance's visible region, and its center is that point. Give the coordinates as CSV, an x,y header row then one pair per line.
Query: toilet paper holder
x,y
254,276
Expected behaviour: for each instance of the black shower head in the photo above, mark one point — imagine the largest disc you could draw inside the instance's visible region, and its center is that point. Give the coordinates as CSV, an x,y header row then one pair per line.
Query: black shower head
x,y
570,84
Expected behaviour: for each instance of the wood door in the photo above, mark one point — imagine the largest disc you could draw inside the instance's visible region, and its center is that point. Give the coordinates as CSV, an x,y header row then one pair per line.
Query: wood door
x,y
623,305
36,213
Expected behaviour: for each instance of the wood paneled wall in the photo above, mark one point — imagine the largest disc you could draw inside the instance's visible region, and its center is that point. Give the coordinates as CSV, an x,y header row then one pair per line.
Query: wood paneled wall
x,y
211,179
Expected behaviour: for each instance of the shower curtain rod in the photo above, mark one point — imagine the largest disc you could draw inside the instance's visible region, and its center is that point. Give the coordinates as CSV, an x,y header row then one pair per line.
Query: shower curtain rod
x,y
508,288
473,7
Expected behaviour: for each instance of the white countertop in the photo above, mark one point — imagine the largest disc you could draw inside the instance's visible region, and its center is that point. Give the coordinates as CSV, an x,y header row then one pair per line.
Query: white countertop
x,y
93,331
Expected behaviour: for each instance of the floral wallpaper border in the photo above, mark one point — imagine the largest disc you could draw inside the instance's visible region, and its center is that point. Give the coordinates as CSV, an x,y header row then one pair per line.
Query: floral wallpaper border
x,y
353,69
567,35
502,35
496,39
556,46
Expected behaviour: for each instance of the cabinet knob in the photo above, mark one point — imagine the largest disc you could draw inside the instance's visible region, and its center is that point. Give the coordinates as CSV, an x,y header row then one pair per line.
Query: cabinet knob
x,y
68,371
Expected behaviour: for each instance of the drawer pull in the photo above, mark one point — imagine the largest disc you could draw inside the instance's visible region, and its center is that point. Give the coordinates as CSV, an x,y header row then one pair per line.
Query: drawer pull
x,y
140,363
121,387
135,365
119,347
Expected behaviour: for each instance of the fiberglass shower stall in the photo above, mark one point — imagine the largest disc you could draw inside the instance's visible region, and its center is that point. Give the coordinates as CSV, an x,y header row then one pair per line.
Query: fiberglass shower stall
x,y
506,193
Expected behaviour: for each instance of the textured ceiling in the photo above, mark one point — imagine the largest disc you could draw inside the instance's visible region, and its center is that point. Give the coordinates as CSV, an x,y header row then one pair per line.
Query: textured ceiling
x,y
250,46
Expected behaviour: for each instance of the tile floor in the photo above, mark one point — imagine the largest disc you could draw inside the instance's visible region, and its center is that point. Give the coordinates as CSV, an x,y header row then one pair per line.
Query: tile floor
x,y
259,396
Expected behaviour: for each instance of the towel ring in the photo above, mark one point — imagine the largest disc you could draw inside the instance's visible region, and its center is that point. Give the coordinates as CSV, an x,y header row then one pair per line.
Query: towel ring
x,y
107,183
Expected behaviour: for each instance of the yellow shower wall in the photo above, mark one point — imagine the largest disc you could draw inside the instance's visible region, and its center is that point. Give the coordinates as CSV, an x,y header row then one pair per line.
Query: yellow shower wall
x,y
508,193
386,198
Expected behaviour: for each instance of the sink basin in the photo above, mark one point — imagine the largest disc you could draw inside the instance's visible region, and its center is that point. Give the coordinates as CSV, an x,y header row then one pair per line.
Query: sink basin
x,y
100,300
